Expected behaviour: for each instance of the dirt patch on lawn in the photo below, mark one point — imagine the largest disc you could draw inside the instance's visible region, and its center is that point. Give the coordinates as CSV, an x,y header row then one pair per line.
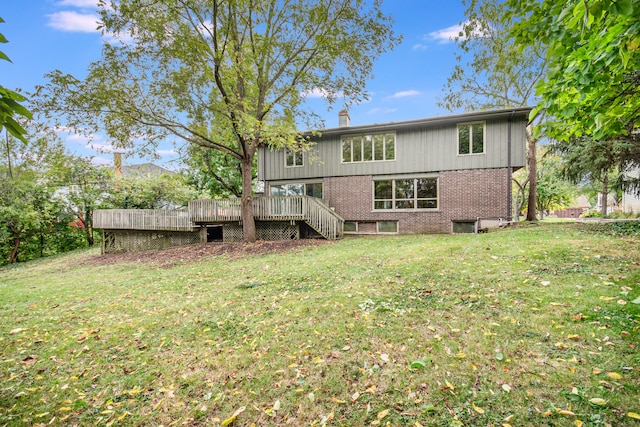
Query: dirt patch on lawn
x,y
182,254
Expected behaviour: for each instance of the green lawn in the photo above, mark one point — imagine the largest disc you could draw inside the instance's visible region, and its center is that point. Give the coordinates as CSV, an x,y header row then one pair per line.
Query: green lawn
x,y
528,326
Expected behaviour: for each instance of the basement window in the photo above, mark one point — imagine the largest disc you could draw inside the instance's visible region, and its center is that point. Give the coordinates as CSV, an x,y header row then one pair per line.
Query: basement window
x,y
463,227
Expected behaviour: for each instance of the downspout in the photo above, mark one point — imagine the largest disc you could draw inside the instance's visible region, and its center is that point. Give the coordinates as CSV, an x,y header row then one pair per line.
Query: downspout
x,y
509,169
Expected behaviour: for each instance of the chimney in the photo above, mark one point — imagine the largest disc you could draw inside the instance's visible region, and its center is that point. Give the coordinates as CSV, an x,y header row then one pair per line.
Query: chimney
x,y
343,119
117,163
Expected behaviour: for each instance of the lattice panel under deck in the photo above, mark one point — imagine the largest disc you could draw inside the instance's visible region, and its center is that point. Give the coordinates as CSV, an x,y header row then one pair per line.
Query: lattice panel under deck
x,y
232,232
133,241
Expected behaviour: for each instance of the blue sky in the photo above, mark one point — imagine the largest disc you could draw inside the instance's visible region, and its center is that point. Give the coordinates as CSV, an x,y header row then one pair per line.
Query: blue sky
x,y
46,35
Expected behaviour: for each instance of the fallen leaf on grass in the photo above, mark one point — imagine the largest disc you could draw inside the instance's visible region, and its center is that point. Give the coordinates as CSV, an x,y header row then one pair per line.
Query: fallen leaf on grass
x,y
478,409
382,414
614,375
233,417
633,415
16,330
598,401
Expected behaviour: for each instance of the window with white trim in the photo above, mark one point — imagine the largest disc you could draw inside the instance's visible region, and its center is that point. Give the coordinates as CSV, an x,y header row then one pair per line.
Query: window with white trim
x,y
368,148
405,194
471,138
293,158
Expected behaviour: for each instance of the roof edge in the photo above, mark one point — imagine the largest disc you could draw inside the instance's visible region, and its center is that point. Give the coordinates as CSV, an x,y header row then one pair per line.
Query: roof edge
x,y
471,116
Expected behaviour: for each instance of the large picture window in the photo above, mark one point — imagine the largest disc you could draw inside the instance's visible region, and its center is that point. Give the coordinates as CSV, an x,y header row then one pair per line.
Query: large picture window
x,y
403,194
293,158
368,148
471,138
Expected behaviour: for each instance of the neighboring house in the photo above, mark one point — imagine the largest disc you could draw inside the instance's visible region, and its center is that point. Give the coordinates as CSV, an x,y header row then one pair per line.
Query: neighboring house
x,y
580,205
630,200
144,170
441,174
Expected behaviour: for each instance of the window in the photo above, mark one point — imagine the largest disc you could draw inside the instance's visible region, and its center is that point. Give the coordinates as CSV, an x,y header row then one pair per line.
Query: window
x,y
297,189
387,226
313,189
460,227
403,194
350,227
471,138
293,158
368,148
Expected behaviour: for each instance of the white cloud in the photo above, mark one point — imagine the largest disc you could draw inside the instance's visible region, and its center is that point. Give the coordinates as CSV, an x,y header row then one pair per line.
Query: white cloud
x,y
74,21
446,35
319,92
419,46
405,93
86,4
99,161
166,152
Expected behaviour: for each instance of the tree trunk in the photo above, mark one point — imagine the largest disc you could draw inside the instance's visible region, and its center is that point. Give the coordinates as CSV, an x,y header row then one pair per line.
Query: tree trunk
x,y
605,195
87,221
13,257
248,220
532,166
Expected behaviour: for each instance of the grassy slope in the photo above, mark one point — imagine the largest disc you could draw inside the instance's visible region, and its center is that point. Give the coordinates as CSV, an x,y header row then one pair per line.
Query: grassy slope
x,y
523,326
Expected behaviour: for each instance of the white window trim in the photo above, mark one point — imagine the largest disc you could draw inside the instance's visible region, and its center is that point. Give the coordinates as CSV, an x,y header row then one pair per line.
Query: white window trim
x,y
484,138
415,199
384,148
286,151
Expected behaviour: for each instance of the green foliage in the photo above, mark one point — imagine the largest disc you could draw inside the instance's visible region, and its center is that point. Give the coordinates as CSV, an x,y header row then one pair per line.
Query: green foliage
x,y
215,174
600,164
553,190
617,228
10,104
593,56
165,191
34,221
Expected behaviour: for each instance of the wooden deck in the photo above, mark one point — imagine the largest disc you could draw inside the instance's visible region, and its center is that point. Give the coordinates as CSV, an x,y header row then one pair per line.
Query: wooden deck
x,y
311,210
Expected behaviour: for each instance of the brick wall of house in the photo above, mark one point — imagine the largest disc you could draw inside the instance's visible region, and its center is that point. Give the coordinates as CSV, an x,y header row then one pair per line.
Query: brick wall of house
x,y
463,196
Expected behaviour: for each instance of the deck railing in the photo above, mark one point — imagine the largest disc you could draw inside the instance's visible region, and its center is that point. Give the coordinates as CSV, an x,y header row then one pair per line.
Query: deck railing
x,y
276,208
142,219
313,211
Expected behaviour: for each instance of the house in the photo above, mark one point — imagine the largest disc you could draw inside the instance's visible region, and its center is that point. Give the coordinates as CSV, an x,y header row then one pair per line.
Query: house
x,y
435,175
580,205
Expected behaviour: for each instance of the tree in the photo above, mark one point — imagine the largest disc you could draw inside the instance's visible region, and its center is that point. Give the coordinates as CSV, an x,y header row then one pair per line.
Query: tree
x,y
85,187
214,174
10,104
593,85
601,163
33,222
553,190
226,75
497,74
165,191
